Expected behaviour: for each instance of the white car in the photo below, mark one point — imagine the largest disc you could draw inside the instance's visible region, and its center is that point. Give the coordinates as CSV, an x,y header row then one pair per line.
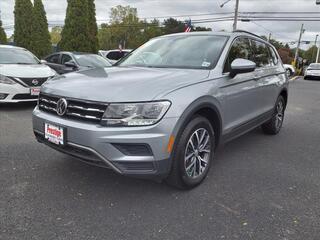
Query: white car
x,y
114,55
290,71
313,71
21,75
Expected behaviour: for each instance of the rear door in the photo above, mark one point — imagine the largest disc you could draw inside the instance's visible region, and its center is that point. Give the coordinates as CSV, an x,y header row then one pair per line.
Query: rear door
x,y
268,73
240,94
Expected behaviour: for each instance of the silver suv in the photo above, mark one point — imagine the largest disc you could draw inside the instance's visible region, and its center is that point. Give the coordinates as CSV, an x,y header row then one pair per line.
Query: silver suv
x,y
161,111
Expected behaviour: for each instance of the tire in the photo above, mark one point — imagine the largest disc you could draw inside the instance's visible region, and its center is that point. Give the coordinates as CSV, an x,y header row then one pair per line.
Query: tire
x,y
190,160
274,125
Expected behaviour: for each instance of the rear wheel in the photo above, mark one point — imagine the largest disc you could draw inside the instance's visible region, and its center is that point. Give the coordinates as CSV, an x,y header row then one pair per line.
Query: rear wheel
x,y
274,125
193,154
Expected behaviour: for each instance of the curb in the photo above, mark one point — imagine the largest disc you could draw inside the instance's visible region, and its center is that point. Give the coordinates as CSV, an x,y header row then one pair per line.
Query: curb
x,y
294,78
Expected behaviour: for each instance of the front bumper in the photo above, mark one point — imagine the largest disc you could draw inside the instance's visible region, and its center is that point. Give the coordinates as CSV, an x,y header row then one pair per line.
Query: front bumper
x,y
132,151
16,93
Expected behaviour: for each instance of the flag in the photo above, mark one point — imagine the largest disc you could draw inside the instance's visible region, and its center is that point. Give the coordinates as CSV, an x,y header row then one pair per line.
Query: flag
x,y
188,26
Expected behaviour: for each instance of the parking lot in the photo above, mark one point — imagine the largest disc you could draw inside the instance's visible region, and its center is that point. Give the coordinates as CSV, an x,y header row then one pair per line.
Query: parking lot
x,y
259,187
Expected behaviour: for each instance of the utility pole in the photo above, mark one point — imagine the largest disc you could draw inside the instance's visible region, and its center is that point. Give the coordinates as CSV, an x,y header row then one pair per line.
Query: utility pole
x,y
269,39
317,59
236,11
299,42
315,43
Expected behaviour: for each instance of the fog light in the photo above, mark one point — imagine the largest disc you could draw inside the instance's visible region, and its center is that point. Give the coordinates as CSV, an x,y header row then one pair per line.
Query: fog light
x,y
3,96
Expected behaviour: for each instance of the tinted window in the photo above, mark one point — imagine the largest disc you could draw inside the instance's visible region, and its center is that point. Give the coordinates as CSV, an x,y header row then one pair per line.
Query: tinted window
x,y
197,51
314,66
261,54
17,56
115,55
65,58
240,49
53,59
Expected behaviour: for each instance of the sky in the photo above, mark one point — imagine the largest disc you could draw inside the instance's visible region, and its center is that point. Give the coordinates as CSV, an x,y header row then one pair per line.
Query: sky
x,y
283,31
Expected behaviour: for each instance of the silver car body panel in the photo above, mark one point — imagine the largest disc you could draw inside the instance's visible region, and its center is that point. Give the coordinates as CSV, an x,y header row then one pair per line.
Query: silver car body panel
x,y
242,102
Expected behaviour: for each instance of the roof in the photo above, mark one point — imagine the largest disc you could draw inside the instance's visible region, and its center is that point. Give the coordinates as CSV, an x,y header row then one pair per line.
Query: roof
x,y
10,46
211,33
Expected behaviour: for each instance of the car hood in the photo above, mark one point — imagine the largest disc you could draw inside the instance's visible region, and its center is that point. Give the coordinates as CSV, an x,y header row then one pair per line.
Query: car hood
x,y
26,71
122,84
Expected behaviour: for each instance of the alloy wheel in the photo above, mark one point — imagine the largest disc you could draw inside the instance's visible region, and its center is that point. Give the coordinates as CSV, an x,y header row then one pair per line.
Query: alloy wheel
x,y
197,153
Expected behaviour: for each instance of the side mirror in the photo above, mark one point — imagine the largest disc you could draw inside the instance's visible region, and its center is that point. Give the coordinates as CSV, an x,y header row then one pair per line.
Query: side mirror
x,y
241,65
70,64
43,61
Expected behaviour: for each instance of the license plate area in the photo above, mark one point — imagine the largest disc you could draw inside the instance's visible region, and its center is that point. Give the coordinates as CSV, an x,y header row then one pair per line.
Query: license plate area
x,y
35,91
54,134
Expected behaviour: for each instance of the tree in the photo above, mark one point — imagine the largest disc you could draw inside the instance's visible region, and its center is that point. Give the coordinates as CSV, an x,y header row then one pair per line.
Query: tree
x,y
92,26
23,23
41,44
55,35
172,25
3,36
75,35
125,28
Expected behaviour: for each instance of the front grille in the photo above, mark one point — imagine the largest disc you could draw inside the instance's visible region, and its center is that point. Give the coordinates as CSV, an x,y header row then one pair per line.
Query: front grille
x,y
33,82
24,97
77,109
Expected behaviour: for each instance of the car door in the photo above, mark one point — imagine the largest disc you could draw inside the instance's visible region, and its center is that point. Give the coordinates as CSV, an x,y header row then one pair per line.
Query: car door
x,y
240,94
64,59
268,74
53,61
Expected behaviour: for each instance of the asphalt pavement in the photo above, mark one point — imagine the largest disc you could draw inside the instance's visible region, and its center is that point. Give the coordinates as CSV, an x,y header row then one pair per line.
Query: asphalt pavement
x,y
259,187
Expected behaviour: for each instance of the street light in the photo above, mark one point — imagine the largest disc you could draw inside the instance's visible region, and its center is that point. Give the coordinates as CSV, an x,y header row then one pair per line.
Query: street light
x,y
235,22
317,59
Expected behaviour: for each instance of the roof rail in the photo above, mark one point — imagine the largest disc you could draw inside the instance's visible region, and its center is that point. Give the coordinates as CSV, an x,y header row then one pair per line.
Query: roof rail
x,y
243,31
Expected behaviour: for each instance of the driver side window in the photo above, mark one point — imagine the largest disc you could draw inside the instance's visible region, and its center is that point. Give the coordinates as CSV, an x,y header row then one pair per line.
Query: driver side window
x,y
240,49
65,58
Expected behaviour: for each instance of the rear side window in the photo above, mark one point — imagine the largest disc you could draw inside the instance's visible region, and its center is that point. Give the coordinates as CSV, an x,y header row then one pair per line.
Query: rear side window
x,y
115,55
262,56
53,59
240,49
274,56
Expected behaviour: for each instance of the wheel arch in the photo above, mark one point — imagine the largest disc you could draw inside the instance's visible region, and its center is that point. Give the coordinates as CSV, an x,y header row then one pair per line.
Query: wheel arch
x,y
206,106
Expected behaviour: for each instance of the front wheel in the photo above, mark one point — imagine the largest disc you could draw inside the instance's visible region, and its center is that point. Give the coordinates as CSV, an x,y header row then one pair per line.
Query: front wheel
x,y
274,125
193,154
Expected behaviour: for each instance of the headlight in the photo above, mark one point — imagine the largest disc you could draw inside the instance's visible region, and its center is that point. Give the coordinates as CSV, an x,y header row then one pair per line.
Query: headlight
x,y
135,114
6,80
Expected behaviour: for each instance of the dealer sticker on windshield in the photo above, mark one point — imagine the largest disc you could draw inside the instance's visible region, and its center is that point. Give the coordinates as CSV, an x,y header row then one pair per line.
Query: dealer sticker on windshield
x,y
54,134
206,64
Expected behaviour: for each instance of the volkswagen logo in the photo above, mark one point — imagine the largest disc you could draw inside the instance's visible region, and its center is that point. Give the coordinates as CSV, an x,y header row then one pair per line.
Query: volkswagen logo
x,y
35,82
62,105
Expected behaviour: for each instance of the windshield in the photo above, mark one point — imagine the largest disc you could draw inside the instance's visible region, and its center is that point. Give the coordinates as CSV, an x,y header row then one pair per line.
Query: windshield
x,y
17,56
197,51
314,66
92,60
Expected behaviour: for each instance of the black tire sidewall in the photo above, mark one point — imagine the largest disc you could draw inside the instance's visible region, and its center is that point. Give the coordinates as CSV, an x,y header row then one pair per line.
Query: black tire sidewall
x,y
195,123
277,130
